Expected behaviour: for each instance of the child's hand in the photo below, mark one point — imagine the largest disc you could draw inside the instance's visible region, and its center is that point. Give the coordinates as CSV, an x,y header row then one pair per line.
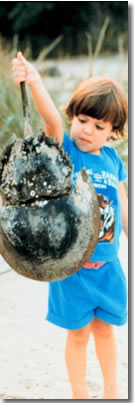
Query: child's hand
x,y
24,71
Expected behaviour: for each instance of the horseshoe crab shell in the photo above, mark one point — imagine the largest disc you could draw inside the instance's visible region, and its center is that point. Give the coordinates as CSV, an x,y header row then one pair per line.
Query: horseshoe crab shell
x,y
47,229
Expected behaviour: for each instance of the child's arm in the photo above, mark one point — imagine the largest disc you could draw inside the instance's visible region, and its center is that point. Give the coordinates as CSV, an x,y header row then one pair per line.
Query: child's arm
x,y
124,204
25,71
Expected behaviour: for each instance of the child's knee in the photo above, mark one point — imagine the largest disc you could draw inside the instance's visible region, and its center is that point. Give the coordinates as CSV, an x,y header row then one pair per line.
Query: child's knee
x,y
80,336
101,328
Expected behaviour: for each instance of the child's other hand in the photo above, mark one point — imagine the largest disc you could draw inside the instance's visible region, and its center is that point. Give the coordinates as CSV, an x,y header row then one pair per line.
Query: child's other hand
x,y
24,71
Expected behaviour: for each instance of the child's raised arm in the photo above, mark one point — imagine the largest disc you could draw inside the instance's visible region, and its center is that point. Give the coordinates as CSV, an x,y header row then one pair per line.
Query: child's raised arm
x,y
25,71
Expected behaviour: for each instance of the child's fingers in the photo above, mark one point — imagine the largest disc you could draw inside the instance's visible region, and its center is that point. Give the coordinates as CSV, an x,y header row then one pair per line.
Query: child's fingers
x,y
20,77
22,59
19,71
16,62
16,68
23,70
19,80
19,63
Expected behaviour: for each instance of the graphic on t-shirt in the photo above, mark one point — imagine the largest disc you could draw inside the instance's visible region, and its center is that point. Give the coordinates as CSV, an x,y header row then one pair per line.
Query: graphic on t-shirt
x,y
107,219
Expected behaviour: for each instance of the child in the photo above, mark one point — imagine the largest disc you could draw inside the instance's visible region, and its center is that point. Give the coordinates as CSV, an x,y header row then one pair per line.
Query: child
x,y
94,298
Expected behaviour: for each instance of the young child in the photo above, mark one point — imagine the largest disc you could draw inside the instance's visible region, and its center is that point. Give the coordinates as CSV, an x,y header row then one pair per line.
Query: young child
x,y
94,298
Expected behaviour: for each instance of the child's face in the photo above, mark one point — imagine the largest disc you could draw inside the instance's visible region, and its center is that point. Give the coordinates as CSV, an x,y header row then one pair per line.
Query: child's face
x,y
90,134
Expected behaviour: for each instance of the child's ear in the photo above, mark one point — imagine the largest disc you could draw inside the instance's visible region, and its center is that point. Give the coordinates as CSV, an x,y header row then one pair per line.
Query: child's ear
x,y
113,136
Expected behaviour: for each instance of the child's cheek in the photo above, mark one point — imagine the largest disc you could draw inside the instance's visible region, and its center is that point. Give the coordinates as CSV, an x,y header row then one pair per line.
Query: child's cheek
x,y
73,131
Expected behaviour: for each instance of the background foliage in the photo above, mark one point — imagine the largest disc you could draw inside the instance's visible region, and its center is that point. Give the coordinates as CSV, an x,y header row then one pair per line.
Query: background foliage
x,y
35,27
41,22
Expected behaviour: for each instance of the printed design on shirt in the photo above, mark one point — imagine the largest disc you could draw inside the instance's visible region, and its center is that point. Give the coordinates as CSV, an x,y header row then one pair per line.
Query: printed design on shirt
x,y
100,179
109,182
107,219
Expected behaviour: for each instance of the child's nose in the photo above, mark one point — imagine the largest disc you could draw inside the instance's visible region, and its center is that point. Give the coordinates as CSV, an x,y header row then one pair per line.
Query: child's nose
x,y
89,129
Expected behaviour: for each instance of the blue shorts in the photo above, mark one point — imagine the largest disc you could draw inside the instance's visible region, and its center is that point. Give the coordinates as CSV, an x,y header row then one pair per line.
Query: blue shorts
x,y
89,293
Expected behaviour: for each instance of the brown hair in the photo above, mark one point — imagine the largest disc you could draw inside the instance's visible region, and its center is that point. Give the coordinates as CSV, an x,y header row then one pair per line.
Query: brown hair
x,y
100,98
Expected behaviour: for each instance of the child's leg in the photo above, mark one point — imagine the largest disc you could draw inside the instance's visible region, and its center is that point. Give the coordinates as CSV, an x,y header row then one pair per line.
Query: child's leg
x,y
76,359
107,356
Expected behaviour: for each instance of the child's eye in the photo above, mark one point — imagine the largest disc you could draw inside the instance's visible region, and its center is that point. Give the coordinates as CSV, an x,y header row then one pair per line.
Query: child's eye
x,y
82,120
99,127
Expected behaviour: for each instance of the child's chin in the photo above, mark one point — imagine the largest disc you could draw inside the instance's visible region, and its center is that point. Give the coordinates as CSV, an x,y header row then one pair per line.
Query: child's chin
x,y
83,146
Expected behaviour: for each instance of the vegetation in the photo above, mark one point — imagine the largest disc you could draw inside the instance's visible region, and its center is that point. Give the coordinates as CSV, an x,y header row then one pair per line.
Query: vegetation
x,y
42,22
11,114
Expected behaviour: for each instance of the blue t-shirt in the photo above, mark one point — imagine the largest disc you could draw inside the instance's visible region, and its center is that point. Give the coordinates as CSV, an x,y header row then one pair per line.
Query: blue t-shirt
x,y
105,171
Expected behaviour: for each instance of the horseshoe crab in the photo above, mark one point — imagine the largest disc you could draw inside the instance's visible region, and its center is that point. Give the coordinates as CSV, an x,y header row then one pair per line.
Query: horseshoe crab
x,y
48,229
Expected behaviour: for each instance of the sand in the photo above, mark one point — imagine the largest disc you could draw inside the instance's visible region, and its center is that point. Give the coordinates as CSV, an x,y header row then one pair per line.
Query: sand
x,y
32,350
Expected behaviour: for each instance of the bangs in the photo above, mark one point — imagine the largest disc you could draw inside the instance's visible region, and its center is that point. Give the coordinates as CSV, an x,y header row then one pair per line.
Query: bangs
x,y
103,107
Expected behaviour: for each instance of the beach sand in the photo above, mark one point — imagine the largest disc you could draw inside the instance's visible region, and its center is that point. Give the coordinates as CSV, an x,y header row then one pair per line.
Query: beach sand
x,y
32,350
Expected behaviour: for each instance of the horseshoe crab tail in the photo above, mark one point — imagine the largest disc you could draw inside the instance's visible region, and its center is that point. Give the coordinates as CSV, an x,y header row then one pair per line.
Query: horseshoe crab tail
x,y
27,121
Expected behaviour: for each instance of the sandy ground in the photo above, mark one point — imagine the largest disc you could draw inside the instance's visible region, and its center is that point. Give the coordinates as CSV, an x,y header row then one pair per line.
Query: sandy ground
x,y
32,350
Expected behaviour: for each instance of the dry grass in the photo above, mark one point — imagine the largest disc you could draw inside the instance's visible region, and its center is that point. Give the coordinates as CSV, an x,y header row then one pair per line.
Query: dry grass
x,y
11,114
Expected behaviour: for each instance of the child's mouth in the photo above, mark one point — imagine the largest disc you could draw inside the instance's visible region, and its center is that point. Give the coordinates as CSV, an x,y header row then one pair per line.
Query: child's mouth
x,y
85,141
